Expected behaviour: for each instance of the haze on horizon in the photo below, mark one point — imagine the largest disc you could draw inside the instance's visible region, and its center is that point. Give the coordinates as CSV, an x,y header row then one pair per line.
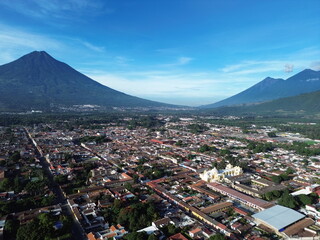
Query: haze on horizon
x,y
180,52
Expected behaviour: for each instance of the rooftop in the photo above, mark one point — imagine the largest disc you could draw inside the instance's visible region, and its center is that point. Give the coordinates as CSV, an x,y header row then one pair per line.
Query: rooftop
x,y
178,236
258,202
298,227
278,217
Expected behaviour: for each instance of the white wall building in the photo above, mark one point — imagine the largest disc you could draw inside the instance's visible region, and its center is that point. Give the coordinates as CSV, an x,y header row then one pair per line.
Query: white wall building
x,y
219,175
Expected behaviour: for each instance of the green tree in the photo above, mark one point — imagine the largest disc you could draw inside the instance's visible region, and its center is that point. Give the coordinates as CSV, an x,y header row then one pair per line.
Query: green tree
x,y
116,206
224,152
5,208
136,236
172,229
35,187
46,221
152,237
5,185
268,196
289,171
284,177
179,143
305,199
17,184
222,164
47,200
135,178
288,200
31,230
15,156
276,179
151,210
204,148
142,220
129,187
275,194
10,229
218,236
190,156
61,179
272,134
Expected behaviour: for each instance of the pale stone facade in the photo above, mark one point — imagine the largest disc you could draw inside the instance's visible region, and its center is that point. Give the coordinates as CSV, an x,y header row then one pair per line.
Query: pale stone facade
x,y
219,175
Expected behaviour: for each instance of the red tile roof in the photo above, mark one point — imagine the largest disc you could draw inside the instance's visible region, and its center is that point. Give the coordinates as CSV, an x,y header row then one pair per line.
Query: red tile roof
x,y
177,236
195,230
91,236
257,202
113,228
240,211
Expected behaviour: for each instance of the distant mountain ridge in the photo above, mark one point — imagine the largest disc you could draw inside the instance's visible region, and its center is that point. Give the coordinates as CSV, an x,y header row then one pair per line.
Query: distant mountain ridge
x,y
307,102
304,104
38,81
270,89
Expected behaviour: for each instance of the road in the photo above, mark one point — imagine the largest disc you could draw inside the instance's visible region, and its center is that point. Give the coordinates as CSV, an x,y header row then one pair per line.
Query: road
x,y
77,231
99,156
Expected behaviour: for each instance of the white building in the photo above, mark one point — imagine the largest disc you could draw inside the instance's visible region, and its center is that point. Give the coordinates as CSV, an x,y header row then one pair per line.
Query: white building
x,y
219,175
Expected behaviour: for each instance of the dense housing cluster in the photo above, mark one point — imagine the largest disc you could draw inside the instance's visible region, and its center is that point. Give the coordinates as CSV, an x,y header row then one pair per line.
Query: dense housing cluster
x,y
158,178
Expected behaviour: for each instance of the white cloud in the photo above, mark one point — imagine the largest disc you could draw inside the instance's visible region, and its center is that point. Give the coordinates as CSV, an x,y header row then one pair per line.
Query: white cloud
x,y
201,85
300,60
159,82
13,42
266,67
179,62
288,68
184,60
122,61
315,65
151,83
56,9
192,88
249,67
92,47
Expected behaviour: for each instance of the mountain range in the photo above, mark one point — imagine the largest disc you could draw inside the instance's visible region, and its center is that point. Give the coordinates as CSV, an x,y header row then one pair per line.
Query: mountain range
x,y
304,104
38,81
270,88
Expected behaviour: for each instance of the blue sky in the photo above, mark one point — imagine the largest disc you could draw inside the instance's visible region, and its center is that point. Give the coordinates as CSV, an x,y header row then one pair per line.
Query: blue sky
x,y
189,52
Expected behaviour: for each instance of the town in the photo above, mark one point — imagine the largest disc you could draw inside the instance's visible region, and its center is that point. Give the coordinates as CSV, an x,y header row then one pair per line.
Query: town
x,y
159,177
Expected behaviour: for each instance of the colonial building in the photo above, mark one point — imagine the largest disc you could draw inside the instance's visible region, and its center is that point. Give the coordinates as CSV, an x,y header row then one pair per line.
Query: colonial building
x,y
219,175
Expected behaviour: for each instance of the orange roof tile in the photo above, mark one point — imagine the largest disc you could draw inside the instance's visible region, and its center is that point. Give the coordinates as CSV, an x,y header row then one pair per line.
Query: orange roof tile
x,y
113,228
222,226
91,236
195,230
178,236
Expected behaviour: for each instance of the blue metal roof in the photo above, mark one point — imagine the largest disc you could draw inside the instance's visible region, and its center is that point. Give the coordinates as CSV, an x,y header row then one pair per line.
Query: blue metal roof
x,y
278,216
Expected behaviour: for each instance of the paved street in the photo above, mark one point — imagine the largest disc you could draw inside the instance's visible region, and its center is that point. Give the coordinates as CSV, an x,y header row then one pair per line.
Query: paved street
x,y
77,230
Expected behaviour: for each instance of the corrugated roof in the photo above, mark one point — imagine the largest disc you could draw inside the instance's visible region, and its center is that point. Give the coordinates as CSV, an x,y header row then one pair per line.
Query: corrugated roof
x,y
299,226
258,202
216,207
279,217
